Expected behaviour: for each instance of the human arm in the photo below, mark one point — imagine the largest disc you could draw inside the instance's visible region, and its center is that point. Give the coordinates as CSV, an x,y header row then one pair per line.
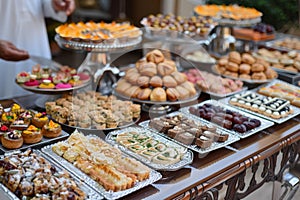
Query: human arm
x,y
9,52
58,9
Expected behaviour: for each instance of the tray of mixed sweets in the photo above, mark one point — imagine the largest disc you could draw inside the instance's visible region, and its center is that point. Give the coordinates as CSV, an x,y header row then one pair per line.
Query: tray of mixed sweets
x,y
45,80
152,149
285,42
228,15
21,129
271,108
191,133
245,67
156,80
103,167
32,175
97,36
281,61
177,28
214,85
228,118
93,111
282,90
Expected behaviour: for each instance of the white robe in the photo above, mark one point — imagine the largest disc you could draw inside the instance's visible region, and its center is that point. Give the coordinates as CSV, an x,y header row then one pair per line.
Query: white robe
x,y
22,23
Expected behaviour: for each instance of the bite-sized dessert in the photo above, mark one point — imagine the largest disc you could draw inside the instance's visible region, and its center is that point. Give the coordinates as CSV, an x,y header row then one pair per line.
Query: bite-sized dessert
x,y
272,107
32,135
51,129
19,124
155,78
46,84
292,43
75,81
8,117
16,108
40,119
245,67
225,118
3,130
27,116
22,77
63,86
12,139
32,81
30,176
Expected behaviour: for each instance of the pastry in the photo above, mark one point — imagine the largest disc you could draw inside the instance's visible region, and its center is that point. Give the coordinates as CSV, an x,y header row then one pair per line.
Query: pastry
x,y
32,135
245,69
169,81
235,57
231,74
32,81
158,94
233,67
51,130
270,73
63,86
75,81
144,94
143,81
22,77
40,119
12,139
257,67
248,59
179,77
258,76
172,94
156,81
190,87
132,92
184,93
3,129
245,76
164,68
46,84
223,62
155,56
148,69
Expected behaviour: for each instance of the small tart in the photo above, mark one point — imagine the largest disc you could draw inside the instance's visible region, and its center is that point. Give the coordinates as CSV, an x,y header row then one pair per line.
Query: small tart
x,y
22,77
46,84
3,130
51,129
8,117
12,139
32,135
40,119
32,81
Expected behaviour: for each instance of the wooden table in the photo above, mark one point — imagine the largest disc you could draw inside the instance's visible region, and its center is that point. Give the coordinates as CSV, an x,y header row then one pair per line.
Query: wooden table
x,y
226,167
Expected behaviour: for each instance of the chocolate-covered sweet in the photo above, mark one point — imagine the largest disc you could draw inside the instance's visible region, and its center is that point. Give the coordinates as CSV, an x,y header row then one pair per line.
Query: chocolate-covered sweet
x,y
249,125
256,122
241,128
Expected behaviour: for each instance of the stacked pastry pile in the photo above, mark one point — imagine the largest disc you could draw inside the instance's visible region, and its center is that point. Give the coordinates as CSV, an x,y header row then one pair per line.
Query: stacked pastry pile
x,y
282,90
268,106
290,43
102,162
245,66
187,131
18,126
155,78
150,148
30,176
289,61
92,110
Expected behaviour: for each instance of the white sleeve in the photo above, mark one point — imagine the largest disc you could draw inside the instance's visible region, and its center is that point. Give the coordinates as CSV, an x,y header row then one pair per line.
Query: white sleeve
x,y
50,12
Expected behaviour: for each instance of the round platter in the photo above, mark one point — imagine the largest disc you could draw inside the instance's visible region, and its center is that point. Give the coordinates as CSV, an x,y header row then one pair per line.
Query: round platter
x,y
239,23
244,80
86,80
117,44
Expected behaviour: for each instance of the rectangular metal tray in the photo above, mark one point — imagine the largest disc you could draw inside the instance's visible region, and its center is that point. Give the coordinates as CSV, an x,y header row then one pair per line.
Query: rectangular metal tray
x,y
154,176
185,160
215,145
278,121
280,37
43,142
264,123
91,194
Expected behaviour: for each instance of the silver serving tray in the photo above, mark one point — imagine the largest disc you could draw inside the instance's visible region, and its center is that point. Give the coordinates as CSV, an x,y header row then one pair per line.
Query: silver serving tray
x,y
264,123
91,194
296,111
281,37
185,160
44,141
215,145
154,176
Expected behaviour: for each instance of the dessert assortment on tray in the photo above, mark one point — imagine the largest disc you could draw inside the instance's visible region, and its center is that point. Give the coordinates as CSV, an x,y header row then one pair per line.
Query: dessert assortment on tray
x,y
29,175
213,84
280,60
92,110
272,108
21,128
47,79
198,136
286,43
156,79
92,32
227,117
282,90
177,26
245,67
150,148
102,166
258,32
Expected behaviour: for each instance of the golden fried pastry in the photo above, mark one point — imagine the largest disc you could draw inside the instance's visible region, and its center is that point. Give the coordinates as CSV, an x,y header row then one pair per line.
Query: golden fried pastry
x,y
223,62
131,91
233,67
257,67
164,69
132,78
270,73
291,68
245,76
158,94
144,94
258,76
155,56
220,69
179,77
235,57
231,74
169,81
148,69
143,81
245,69
184,93
248,59
172,94
138,64
122,86
156,81
190,87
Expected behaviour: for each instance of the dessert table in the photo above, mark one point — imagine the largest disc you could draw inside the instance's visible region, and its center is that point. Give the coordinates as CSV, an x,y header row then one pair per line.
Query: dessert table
x,y
274,150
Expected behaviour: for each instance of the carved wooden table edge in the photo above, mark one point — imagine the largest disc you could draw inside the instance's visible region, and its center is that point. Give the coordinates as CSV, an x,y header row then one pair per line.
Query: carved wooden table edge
x,y
234,178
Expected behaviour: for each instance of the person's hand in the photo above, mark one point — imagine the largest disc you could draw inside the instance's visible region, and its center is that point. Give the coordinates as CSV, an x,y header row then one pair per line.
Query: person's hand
x,y
67,6
10,52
